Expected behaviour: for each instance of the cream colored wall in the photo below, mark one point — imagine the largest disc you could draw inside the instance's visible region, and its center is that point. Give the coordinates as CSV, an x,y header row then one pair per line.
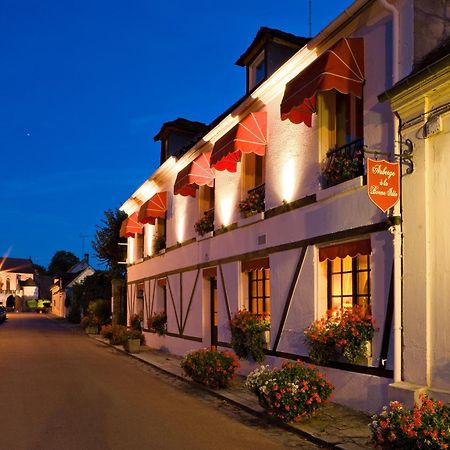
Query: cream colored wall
x,y
426,255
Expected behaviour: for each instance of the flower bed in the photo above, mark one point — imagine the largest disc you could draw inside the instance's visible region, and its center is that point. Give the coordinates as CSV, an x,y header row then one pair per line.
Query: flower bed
x,y
343,332
291,393
210,367
426,426
247,335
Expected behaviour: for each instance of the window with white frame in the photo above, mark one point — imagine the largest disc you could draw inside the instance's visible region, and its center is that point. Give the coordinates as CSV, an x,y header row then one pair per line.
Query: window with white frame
x,y
257,70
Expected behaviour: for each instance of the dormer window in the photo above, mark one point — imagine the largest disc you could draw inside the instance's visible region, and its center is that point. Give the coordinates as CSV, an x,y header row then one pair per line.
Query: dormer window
x,y
257,70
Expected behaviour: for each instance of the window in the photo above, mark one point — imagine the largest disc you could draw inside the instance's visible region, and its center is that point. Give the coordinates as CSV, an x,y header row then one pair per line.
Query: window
x,y
257,71
206,199
348,281
160,235
340,119
259,292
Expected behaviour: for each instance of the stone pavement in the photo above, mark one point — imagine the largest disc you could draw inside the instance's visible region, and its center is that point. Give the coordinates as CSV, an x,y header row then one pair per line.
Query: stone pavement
x,y
335,426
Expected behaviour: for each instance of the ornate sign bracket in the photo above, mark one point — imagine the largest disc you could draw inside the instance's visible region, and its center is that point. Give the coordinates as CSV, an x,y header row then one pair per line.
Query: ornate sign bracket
x,y
406,154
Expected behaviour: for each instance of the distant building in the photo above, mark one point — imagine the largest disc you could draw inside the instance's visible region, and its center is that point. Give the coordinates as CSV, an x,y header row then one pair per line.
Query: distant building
x,y
61,289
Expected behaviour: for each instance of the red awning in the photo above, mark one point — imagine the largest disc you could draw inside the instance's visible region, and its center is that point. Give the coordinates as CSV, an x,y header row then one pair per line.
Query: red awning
x,y
255,264
130,226
153,208
197,173
352,249
248,136
340,68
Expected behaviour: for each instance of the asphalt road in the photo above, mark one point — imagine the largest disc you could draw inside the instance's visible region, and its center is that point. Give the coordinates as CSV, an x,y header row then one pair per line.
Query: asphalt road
x,y
62,390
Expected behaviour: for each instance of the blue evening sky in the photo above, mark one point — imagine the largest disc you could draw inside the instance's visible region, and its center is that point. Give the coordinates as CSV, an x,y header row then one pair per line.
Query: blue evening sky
x,y
84,87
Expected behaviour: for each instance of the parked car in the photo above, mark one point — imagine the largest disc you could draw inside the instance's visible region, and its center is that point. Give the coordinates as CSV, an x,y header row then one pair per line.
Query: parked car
x,y
3,315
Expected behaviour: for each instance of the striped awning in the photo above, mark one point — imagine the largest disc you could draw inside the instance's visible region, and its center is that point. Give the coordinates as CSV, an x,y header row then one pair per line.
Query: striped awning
x,y
352,249
153,208
130,226
197,173
248,136
341,68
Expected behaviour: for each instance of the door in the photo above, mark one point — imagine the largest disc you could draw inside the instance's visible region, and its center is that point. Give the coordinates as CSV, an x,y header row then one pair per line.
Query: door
x,y
214,310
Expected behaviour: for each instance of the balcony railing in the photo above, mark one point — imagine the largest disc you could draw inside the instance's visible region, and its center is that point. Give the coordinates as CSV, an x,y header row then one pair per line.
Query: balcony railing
x,y
343,163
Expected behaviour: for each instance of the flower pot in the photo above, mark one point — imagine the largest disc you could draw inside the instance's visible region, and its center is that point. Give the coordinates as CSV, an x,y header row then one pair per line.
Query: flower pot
x,y
91,330
132,345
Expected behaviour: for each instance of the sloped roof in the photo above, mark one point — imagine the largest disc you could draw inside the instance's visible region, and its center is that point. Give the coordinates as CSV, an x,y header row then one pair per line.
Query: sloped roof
x,y
265,35
17,265
180,124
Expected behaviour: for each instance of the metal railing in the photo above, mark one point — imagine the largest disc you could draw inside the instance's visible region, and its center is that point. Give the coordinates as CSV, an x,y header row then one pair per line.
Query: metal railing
x,y
344,163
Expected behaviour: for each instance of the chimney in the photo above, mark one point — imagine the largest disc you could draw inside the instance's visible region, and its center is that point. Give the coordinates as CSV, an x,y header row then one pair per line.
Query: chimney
x,y
86,258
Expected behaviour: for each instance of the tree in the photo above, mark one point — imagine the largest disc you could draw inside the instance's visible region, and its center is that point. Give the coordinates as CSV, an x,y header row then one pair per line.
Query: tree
x,y
106,244
61,262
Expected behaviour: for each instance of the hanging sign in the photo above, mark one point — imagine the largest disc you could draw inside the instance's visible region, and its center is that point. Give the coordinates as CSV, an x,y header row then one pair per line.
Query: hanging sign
x,y
383,183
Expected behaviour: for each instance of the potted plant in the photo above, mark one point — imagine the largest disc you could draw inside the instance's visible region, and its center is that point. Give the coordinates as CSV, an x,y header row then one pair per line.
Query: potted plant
x,y
248,338
205,224
157,323
426,426
132,341
253,203
210,367
90,324
344,331
291,393
116,334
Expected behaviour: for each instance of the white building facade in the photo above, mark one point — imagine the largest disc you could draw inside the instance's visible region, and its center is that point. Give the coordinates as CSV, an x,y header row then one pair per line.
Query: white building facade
x,y
319,241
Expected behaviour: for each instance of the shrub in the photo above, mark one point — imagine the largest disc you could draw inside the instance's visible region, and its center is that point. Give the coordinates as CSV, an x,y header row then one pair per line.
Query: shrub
x,y
135,322
247,335
158,323
291,393
343,331
74,314
107,331
117,334
101,309
133,334
210,367
256,379
426,426
89,321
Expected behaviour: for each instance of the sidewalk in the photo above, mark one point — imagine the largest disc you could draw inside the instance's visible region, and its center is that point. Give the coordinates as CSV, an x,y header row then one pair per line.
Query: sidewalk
x,y
335,426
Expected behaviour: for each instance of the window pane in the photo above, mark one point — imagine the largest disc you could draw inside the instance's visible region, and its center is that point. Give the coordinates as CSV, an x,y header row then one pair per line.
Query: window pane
x,y
336,284
347,284
267,310
336,265
362,262
363,283
347,264
335,302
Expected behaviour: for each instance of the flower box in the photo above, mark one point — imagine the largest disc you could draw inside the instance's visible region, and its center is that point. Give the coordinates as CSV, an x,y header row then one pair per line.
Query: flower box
x,y
252,218
207,235
132,345
346,186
